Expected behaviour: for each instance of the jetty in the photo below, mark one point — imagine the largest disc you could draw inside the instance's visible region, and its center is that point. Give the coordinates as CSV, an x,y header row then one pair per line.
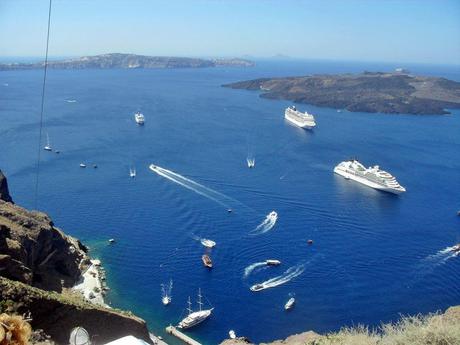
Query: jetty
x,y
178,334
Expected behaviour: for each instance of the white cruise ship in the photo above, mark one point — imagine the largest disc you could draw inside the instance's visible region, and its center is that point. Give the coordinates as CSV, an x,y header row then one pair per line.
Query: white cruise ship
x,y
139,117
195,317
372,177
302,120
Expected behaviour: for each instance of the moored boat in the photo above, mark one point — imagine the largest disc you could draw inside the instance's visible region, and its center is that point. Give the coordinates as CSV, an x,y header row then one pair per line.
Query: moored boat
x,y
207,243
139,118
207,260
194,318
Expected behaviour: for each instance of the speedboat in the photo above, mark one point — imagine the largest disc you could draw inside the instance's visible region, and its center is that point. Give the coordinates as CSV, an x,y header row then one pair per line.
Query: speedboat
x,y
194,318
166,300
207,243
111,240
289,304
272,262
272,215
132,173
257,287
456,249
82,165
206,261
166,293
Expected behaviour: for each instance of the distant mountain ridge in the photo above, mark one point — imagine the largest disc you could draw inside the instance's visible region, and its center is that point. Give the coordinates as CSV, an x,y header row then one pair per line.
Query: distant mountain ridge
x,y
128,61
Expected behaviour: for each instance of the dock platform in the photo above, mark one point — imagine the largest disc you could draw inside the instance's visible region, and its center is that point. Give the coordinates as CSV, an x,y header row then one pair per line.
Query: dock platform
x,y
178,334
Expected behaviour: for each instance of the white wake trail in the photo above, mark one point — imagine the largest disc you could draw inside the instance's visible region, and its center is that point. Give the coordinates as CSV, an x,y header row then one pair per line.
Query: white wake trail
x,y
267,224
248,270
193,186
287,276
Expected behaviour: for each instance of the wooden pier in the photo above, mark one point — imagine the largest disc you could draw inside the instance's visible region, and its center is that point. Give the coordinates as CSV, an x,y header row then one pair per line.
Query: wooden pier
x,y
178,334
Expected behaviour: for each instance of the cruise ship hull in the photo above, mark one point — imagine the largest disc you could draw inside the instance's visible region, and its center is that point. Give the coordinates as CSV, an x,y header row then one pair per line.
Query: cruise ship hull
x,y
301,124
366,182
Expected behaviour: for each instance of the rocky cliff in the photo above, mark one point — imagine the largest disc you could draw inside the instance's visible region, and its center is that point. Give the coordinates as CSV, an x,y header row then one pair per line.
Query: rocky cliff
x,y
4,192
35,252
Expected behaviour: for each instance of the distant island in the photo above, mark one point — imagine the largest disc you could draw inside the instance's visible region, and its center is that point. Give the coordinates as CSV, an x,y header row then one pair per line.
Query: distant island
x,y
117,60
372,92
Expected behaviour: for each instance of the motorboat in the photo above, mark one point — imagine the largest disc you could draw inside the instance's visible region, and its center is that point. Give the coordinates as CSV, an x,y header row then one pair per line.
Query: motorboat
x,y
289,304
232,334
207,261
82,165
257,287
139,118
272,262
48,145
207,243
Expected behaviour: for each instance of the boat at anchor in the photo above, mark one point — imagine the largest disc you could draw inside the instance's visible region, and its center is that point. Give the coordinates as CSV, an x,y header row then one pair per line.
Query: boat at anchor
x,y
195,317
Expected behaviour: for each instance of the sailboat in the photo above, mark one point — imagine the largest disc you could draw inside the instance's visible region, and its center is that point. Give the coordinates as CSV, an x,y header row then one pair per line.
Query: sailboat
x,y
132,172
166,293
48,145
195,317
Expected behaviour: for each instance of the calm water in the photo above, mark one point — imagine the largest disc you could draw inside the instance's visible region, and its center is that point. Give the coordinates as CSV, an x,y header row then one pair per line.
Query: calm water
x,y
374,255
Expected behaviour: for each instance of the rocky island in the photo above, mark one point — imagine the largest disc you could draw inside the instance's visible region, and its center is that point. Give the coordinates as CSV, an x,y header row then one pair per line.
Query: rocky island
x,y
129,61
39,265
372,92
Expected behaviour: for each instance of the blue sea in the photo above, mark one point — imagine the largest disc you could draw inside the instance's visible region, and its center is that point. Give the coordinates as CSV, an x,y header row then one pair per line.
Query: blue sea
x,y
375,255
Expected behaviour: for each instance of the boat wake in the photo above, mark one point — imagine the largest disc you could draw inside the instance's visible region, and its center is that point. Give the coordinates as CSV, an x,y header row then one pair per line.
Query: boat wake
x,y
287,276
268,224
442,256
194,186
248,270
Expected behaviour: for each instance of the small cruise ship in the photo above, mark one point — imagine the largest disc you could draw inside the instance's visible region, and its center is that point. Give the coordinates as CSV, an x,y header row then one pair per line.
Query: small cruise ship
x,y
139,117
302,120
372,177
194,318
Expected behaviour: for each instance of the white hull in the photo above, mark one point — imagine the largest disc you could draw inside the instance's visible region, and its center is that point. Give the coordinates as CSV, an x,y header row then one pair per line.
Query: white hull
x,y
194,319
366,182
301,124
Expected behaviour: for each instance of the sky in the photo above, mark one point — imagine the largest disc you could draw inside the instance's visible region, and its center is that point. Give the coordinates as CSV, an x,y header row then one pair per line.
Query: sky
x,y
417,31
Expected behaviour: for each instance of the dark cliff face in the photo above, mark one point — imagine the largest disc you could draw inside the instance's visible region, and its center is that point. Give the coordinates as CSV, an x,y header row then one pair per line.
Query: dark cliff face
x,y
35,252
4,192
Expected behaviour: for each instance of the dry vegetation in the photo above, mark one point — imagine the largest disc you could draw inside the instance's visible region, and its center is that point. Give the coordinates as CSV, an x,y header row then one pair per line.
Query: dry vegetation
x,y
434,329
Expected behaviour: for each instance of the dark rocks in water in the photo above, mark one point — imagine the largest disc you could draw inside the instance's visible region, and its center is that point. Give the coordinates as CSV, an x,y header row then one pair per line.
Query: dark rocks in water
x,y
372,92
4,192
130,61
35,252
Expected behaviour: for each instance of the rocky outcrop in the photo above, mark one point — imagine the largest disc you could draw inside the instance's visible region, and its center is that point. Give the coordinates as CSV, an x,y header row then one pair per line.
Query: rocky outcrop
x,y
57,314
393,93
4,192
296,339
35,252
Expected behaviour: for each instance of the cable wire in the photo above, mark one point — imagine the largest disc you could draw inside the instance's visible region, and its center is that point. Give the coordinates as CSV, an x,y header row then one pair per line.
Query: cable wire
x,y
42,108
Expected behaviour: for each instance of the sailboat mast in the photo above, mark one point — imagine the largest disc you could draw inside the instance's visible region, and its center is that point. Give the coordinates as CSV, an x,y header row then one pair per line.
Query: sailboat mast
x,y
199,298
189,306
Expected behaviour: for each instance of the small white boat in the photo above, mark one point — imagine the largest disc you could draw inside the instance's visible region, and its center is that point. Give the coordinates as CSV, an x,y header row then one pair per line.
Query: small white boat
x,y
132,172
232,334
257,287
139,117
289,304
166,293
48,145
82,165
111,240
251,162
207,243
272,262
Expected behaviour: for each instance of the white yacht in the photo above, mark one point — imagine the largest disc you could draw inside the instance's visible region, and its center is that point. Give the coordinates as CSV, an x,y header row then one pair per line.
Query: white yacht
x,y
302,120
195,317
372,177
207,243
139,117
132,172
48,145
289,304
82,165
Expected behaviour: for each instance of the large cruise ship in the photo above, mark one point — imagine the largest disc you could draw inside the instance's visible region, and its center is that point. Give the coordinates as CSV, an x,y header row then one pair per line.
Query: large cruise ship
x,y
372,177
302,120
195,317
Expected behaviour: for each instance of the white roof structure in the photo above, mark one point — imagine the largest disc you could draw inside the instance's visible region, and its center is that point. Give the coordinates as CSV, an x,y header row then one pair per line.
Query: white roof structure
x,y
128,340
